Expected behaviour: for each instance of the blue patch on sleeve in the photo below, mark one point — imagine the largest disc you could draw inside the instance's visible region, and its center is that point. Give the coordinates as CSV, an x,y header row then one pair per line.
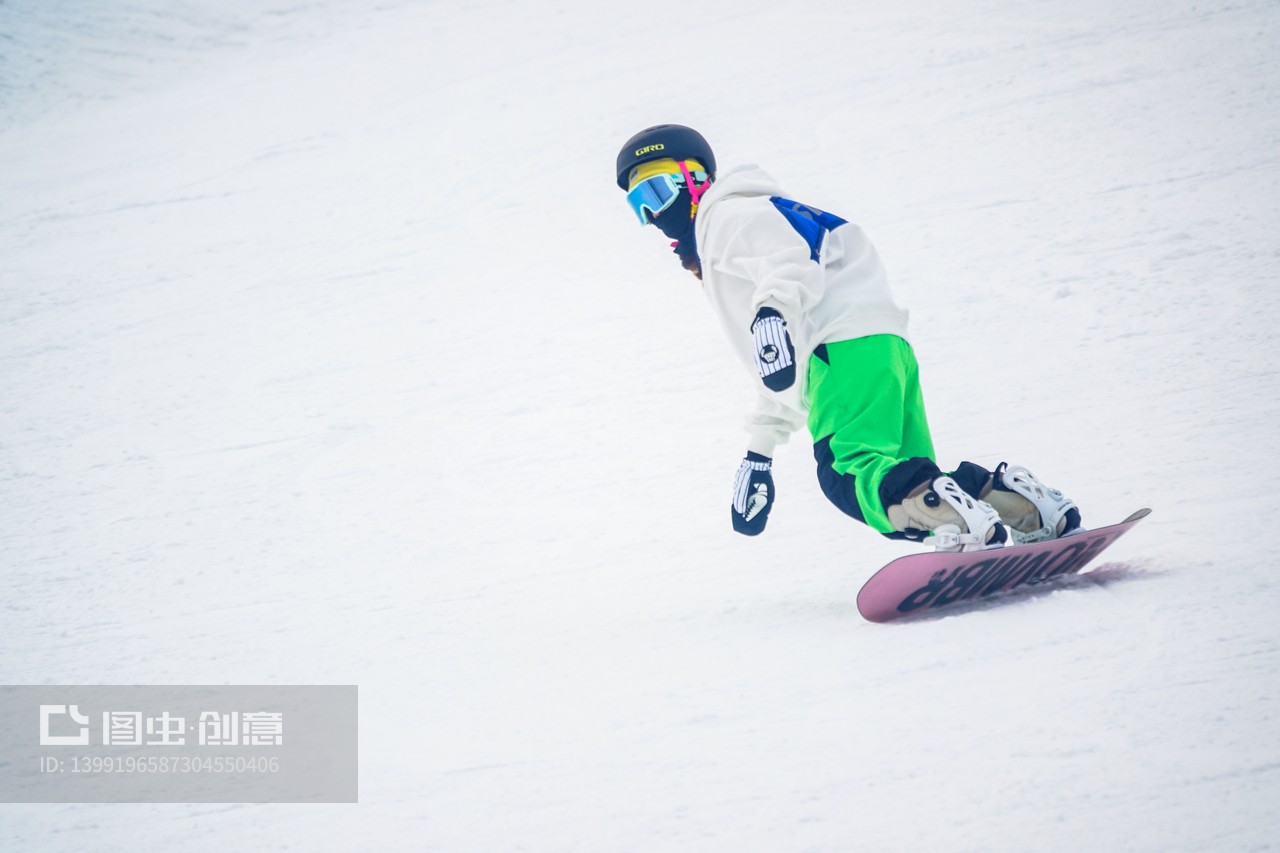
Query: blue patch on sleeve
x,y
810,223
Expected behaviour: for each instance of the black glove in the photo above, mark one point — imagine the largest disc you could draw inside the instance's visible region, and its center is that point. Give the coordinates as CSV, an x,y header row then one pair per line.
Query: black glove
x,y
775,356
752,494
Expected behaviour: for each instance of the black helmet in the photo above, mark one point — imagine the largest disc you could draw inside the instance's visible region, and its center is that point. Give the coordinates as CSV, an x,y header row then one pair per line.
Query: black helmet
x,y
664,140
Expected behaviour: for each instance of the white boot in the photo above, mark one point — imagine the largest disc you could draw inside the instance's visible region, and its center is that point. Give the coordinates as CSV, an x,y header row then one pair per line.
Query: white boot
x,y
1032,511
958,521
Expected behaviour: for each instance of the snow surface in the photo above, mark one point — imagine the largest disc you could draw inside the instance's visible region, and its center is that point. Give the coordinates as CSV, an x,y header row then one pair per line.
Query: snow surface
x,y
331,355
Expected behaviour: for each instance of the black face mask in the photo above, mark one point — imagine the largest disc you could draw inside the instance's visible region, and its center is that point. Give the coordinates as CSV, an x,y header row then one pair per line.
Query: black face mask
x,y
678,218
677,223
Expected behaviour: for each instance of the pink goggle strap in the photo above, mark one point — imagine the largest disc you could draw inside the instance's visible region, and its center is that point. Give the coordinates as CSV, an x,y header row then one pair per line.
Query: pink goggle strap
x,y
694,191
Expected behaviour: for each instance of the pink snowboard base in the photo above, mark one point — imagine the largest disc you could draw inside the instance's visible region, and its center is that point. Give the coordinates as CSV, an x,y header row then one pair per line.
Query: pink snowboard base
x,y
922,583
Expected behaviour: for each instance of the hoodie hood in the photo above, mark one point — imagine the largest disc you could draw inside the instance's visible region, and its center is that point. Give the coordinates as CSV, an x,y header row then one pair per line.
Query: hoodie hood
x,y
748,181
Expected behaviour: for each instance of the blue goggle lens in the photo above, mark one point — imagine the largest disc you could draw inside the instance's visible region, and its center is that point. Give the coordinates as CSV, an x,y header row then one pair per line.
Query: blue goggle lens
x,y
652,196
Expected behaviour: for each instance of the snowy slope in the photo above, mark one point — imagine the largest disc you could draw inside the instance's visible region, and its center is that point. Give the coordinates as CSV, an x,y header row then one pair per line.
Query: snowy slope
x,y
331,355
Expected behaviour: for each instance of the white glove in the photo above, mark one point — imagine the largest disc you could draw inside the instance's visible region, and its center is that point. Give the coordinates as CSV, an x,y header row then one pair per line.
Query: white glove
x,y
752,494
775,356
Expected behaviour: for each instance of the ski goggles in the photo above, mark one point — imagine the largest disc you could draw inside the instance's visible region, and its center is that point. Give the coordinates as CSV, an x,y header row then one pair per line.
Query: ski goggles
x,y
654,193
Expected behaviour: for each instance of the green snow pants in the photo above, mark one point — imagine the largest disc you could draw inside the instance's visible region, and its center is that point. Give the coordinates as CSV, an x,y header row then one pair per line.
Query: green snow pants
x,y
867,419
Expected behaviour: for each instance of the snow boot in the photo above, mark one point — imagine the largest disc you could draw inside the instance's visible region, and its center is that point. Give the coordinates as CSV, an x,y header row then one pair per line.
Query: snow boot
x,y
1032,511
957,520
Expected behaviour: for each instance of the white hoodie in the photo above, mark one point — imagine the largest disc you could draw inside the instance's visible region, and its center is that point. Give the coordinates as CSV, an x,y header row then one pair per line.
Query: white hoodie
x,y
753,256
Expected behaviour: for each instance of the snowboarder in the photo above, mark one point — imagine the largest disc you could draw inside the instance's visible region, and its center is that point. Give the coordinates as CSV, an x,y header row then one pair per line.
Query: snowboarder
x,y
805,302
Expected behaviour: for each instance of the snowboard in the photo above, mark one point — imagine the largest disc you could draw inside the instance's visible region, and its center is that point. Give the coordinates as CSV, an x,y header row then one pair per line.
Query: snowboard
x,y
924,583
